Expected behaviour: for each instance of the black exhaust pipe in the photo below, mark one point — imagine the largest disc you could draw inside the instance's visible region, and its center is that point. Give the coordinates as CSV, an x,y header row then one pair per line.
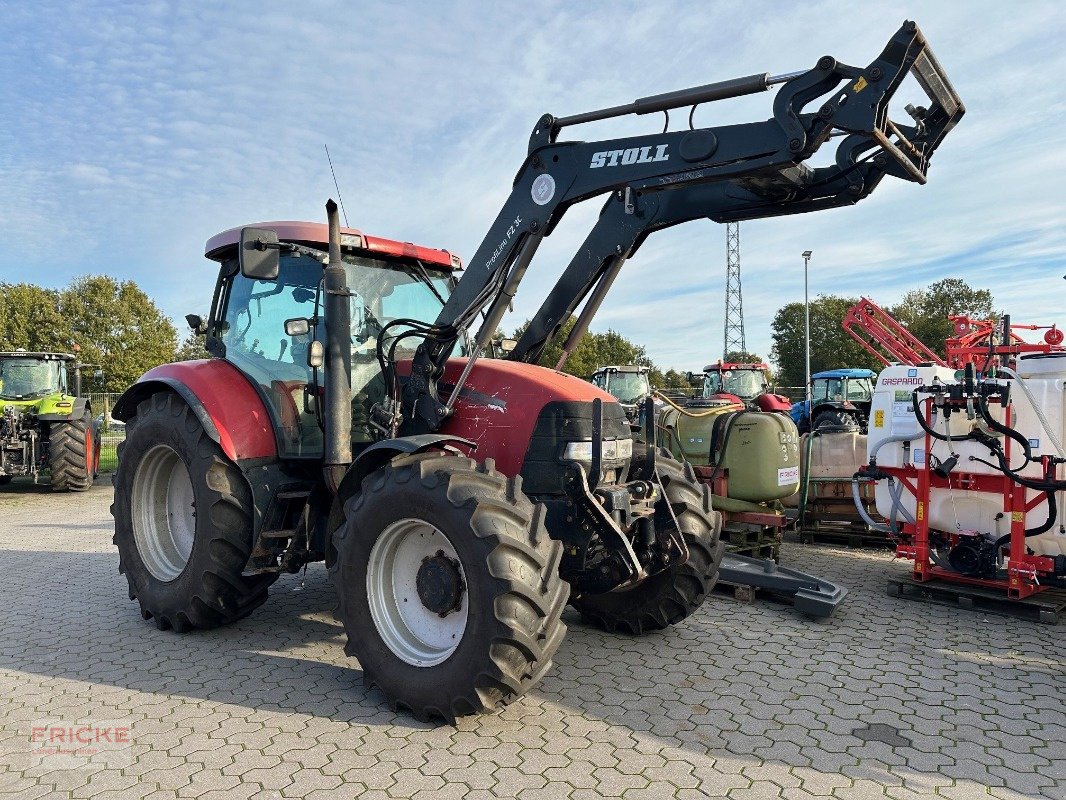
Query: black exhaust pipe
x,y
338,377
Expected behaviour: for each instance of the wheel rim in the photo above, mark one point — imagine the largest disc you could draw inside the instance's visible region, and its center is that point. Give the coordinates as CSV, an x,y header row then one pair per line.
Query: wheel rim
x,y
164,512
414,632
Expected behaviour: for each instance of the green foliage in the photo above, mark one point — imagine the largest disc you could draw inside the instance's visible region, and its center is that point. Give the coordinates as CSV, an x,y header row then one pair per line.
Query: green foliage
x,y
191,349
742,357
831,347
595,350
672,379
925,311
115,323
30,318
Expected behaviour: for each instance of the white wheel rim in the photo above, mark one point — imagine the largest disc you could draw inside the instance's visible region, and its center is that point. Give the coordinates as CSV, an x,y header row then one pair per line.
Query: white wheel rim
x,y
164,513
414,633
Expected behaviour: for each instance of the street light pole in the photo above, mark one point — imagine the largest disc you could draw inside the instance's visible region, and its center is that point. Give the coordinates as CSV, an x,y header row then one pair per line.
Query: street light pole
x,y
806,333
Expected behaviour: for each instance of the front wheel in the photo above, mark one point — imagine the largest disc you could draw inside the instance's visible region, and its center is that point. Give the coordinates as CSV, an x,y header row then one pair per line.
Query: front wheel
x,y
674,594
449,586
71,454
183,521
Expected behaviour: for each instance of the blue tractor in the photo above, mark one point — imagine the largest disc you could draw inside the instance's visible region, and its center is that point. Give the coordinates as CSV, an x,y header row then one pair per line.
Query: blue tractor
x,y
840,398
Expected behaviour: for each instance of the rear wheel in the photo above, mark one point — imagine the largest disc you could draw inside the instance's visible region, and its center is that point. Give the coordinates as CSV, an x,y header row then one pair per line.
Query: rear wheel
x,y
668,597
183,521
71,455
448,584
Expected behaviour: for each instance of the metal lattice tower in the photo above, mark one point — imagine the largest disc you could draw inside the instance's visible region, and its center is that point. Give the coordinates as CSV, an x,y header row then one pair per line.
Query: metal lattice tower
x,y
734,301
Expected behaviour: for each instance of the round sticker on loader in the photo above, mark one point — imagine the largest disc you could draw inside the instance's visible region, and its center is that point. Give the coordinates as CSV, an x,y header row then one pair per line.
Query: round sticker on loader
x,y
543,189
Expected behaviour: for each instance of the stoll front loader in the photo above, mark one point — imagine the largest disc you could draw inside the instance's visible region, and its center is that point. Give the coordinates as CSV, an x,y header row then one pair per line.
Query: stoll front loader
x,y
459,502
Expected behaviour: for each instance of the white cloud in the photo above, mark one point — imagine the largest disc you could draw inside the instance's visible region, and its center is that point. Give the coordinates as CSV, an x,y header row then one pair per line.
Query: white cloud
x,y
132,135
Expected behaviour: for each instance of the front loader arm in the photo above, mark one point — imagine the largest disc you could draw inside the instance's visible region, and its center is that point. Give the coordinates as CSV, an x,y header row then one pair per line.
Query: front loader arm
x,y
629,217
728,172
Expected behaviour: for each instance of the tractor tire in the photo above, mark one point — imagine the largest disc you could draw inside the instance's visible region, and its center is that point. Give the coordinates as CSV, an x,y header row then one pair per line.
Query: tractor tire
x,y
836,419
670,596
183,521
71,457
449,586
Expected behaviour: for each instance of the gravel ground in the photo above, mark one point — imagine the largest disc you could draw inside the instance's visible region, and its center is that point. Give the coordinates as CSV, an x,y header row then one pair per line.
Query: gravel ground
x,y
889,698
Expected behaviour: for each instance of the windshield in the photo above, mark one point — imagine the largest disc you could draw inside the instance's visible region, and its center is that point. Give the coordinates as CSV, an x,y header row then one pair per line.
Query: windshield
x,y
628,387
744,383
253,330
860,390
29,377
855,390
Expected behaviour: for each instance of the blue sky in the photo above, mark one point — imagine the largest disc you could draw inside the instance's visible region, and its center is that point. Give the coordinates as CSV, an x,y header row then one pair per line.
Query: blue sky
x,y
131,132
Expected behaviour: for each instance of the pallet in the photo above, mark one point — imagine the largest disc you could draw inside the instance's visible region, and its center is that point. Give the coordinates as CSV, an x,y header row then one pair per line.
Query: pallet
x,y
1047,607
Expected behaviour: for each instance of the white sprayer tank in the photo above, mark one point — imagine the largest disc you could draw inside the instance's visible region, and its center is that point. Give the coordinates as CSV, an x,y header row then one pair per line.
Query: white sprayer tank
x,y
949,510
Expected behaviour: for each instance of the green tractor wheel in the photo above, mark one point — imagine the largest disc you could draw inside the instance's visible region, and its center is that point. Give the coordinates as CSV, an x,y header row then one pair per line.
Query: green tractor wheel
x,y
72,455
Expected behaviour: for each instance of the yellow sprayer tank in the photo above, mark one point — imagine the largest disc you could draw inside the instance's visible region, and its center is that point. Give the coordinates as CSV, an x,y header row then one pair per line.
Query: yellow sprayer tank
x,y
760,450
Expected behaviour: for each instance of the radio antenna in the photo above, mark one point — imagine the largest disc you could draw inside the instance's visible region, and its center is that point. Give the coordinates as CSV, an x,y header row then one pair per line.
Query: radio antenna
x,y
337,186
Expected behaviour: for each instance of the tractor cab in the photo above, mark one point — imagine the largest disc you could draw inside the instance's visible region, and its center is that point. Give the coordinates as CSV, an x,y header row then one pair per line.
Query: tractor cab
x,y
742,383
629,384
271,326
30,376
839,398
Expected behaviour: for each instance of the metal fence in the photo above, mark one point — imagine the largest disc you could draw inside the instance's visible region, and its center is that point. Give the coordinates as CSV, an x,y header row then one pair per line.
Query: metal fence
x,y
112,431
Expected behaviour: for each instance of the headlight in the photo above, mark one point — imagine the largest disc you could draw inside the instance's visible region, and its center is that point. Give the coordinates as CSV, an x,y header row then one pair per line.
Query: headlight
x,y
613,450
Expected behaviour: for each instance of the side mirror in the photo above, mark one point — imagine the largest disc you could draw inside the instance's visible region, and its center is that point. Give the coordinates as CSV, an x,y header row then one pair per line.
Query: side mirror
x,y
196,324
316,354
259,254
690,377
297,327
507,345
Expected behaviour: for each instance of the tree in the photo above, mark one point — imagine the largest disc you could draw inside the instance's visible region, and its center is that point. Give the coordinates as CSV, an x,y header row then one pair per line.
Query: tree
x,y
831,347
118,327
191,349
595,350
30,319
742,357
925,311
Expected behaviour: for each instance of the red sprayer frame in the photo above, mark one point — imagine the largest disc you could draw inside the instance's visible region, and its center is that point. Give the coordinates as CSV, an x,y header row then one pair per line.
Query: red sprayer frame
x,y
1023,570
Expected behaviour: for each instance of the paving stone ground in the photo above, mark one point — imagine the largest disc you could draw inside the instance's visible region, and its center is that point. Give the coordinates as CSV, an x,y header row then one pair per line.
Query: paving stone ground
x,y
891,698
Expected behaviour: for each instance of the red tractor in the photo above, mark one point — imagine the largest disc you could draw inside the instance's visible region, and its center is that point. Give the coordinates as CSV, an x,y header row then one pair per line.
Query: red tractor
x,y
746,384
460,501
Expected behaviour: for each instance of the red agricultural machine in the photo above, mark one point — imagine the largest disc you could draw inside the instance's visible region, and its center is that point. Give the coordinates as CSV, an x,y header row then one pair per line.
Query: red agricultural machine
x,y
966,455
747,384
461,501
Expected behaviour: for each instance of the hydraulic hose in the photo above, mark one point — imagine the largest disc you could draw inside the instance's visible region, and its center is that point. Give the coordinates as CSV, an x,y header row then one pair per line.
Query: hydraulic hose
x,y
682,410
1044,527
861,508
994,424
899,437
921,421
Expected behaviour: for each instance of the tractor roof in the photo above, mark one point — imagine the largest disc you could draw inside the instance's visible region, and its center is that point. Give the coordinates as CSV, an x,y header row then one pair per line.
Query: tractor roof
x,y
625,368
38,356
719,365
844,373
317,233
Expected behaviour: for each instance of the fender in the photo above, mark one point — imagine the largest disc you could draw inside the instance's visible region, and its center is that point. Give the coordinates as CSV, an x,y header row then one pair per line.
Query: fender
x,y
377,455
222,398
81,405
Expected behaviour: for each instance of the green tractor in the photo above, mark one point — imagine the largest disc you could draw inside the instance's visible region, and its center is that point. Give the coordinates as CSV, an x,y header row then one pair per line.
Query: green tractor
x,y
45,424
